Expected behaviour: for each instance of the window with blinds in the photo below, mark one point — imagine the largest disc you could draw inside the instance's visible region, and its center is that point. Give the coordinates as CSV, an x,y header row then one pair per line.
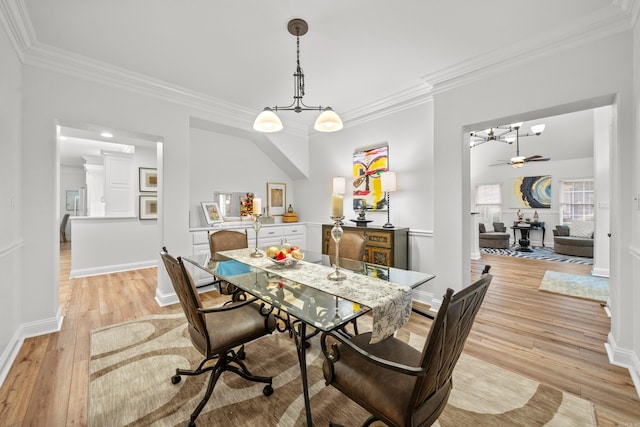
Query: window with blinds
x,y
577,200
489,203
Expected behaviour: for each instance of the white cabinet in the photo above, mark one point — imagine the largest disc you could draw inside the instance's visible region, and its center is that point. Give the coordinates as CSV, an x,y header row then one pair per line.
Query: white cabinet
x,y
270,235
295,235
119,184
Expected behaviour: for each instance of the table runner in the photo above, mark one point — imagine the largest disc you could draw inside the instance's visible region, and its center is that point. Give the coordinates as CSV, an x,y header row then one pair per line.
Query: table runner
x,y
389,302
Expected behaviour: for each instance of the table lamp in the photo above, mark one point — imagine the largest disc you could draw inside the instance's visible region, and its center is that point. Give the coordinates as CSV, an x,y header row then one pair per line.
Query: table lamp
x,y
388,185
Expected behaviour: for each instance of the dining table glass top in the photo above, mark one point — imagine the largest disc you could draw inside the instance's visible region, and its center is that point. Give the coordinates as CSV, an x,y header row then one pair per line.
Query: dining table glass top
x,y
302,291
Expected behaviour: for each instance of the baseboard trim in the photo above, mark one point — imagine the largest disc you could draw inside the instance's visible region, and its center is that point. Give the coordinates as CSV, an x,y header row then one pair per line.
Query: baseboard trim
x,y
624,358
108,269
24,331
9,355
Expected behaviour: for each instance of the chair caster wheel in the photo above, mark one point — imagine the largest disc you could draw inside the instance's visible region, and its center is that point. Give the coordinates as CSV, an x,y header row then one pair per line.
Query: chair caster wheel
x,y
307,344
268,390
175,379
241,354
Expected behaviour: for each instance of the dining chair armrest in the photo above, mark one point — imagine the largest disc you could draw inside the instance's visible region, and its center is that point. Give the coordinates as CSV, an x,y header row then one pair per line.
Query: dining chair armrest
x,y
334,355
226,307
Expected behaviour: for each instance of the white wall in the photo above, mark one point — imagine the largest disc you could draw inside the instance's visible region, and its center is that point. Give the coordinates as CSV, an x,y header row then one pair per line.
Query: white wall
x,y
634,294
562,81
11,243
558,169
106,245
228,163
409,135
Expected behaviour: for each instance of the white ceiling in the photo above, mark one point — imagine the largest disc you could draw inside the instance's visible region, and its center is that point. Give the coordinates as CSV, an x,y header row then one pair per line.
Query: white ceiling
x,y
357,53
358,56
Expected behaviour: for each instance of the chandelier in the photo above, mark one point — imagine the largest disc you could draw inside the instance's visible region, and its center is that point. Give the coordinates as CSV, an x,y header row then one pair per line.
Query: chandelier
x,y
268,121
509,135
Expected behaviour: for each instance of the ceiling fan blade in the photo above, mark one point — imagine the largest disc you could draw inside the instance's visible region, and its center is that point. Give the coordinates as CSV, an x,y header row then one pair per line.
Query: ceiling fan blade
x,y
537,159
501,162
528,159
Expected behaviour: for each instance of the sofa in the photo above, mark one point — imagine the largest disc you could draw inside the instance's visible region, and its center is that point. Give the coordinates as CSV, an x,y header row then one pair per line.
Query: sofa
x,y
498,238
575,239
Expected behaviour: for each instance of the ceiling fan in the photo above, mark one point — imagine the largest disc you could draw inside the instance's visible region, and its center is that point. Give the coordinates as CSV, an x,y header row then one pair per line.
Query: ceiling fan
x,y
507,137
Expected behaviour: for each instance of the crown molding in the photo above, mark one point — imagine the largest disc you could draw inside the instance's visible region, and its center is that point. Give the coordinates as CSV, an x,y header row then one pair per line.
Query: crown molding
x,y
632,7
399,101
586,30
15,18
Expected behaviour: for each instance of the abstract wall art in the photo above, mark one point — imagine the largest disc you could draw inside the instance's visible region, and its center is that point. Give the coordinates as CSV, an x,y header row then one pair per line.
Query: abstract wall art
x,y
368,164
530,192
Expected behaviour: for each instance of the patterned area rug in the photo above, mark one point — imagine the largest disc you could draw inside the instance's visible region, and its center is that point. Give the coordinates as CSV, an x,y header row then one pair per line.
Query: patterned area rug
x,y
131,365
576,285
546,254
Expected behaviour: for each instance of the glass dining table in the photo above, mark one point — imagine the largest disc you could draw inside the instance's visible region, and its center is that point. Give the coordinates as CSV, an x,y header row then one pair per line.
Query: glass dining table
x,y
300,295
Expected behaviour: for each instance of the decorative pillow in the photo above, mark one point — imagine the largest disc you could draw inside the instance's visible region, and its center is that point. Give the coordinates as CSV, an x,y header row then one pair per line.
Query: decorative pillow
x,y
581,229
489,228
482,228
563,230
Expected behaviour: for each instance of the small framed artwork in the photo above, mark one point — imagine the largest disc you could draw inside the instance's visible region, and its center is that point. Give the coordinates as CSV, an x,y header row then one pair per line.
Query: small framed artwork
x,y
148,207
71,199
276,198
211,212
148,179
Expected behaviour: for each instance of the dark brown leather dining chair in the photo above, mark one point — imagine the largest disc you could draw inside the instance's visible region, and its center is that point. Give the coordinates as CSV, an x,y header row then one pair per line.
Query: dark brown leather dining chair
x,y
352,246
217,331
226,240
394,382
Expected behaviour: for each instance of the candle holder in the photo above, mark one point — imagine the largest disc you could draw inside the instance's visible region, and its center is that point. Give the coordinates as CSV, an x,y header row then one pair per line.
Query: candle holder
x,y
256,226
336,235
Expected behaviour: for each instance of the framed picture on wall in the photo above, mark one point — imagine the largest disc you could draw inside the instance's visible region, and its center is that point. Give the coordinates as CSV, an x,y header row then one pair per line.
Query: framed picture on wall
x,y
148,207
211,212
276,198
148,179
71,199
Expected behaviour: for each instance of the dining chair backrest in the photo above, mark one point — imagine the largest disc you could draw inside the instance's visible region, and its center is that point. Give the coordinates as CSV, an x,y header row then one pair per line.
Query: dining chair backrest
x,y
185,289
352,246
446,339
224,240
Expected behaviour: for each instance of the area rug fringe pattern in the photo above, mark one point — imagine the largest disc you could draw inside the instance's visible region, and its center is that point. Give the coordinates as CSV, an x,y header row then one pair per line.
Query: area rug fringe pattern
x,y
576,285
546,254
131,365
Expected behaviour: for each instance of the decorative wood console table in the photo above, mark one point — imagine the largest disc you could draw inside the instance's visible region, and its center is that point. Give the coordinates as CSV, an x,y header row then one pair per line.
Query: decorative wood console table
x,y
525,228
384,246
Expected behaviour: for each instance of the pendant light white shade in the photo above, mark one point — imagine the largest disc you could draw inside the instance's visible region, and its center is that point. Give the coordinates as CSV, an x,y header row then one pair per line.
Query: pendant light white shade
x,y
328,121
267,121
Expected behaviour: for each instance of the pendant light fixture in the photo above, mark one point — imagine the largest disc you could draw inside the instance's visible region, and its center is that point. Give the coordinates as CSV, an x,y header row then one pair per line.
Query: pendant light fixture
x,y
268,121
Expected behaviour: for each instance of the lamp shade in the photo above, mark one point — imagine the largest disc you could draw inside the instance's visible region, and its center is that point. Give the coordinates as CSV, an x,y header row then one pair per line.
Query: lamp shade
x,y
267,121
339,185
537,129
389,181
328,121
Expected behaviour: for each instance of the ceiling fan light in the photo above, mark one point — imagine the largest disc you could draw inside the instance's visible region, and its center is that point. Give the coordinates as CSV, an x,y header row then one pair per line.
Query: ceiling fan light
x,y
328,121
510,139
517,162
538,129
267,121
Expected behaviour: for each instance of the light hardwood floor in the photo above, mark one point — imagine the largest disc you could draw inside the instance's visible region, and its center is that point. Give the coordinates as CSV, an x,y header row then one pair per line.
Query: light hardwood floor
x,y
553,339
